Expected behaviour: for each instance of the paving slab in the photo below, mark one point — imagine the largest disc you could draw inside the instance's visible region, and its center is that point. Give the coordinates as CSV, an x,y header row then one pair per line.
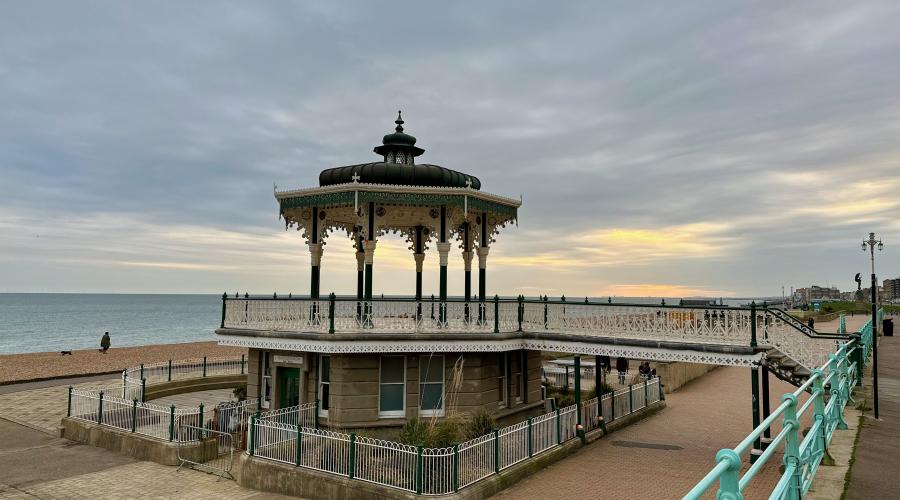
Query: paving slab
x,y
665,455
876,468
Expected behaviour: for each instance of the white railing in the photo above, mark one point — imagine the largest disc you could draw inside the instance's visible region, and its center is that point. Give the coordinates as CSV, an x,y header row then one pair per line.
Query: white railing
x,y
390,464
135,379
728,326
155,421
436,471
303,415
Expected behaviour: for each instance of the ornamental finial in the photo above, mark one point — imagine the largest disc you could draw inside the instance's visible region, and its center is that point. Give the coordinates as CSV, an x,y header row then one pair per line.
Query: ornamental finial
x,y
399,121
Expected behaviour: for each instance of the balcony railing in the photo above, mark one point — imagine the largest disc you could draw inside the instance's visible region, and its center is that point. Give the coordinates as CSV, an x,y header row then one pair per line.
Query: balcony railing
x,y
711,325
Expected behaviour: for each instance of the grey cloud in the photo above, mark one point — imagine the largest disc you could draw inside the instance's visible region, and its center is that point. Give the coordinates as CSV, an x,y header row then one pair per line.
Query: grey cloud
x,y
641,115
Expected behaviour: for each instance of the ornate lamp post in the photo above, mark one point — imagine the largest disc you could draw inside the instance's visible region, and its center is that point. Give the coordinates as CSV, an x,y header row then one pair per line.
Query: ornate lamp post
x,y
871,243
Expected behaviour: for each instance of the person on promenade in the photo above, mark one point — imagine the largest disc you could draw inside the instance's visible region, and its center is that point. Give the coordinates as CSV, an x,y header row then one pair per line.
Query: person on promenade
x,y
622,368
605,363
104,343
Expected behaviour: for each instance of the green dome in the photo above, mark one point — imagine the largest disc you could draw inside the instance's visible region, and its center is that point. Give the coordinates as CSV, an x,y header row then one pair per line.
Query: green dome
x,y
397,174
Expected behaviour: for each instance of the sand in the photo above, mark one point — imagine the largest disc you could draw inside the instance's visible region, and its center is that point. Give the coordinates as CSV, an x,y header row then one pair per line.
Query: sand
x,y
48,365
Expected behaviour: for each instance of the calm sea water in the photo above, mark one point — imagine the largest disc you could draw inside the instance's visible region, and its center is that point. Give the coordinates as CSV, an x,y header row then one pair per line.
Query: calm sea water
x,y
53,322
39,322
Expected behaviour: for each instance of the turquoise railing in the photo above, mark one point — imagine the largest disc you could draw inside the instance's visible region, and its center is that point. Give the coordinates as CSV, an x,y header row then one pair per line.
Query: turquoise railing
x,y
802,455
842,326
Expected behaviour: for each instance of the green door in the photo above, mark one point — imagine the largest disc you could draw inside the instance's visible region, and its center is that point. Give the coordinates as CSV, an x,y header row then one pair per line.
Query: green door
x,y
288,387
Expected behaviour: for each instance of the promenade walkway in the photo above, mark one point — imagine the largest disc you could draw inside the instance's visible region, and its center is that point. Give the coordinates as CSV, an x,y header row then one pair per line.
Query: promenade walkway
x,y
877,468
665,455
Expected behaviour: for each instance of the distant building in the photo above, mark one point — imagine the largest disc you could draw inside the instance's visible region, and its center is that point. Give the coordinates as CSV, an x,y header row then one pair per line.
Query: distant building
x,y
891,289
815,293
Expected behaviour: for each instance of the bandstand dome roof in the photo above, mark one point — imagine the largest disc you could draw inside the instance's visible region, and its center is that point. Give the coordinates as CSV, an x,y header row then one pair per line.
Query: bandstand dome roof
x,y
398,174
398,168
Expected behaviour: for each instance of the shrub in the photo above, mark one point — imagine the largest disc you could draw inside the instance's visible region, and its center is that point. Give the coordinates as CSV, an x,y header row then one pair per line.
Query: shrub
x,y
480,423
445,433
240,392
414,432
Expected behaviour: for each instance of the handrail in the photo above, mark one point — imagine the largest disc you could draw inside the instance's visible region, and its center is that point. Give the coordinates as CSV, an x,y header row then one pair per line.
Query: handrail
x,y
802,458
502,300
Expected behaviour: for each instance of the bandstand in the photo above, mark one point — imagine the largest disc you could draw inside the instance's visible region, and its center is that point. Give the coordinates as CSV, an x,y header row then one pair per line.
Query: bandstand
x,y
352,354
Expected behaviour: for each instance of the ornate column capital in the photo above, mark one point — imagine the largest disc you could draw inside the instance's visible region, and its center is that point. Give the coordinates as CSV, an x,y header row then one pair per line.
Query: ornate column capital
x,y
420,259
443,251
315,251
369,247
360,261
467,260
482,257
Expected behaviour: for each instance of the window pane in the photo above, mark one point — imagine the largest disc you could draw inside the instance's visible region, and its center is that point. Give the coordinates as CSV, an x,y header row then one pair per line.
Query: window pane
x,y
326,368
432,396
391,397
392,369
432,369
324,401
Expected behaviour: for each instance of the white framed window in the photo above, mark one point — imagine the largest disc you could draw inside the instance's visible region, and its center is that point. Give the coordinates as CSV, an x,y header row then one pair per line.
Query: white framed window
x,y
431,385
324,385
501,380
392,386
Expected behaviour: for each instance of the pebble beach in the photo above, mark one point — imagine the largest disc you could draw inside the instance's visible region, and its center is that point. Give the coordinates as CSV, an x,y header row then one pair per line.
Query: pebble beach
x,y
15,368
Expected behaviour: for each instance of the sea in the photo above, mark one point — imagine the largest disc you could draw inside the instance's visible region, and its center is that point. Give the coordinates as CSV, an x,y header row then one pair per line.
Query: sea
x,y
42,322
47,322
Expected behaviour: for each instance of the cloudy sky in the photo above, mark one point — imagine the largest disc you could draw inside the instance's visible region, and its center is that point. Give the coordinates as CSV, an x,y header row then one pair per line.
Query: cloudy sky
x,y
671,148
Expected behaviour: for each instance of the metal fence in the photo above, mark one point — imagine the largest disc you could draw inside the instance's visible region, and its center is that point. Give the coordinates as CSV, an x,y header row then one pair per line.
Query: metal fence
x,y
434,471
829,388
301,415
135,379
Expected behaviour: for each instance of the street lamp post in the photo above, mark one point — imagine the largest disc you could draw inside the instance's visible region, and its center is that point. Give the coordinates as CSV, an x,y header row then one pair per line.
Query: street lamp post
x,y
871,243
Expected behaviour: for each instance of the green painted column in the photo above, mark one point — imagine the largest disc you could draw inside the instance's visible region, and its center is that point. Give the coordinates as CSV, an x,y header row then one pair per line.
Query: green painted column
x,y
484,246
443,247
419,256
766,410
369,249
754,386
360,274
579,425
315,250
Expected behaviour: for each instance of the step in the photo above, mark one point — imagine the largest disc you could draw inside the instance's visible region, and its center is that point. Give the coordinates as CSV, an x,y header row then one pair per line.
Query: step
x,y
789,364
801,372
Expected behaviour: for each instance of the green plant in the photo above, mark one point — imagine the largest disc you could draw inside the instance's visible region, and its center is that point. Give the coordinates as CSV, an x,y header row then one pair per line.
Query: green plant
x,y
414,432
240,392
480,423
445,433
434,434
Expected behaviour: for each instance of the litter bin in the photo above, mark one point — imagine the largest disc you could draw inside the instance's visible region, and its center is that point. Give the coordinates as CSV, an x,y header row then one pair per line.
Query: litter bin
x,y
887,327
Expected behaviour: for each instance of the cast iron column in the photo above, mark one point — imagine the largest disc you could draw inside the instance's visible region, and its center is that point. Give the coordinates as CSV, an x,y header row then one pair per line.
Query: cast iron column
x,y
467,262
766,411
443,251
315,250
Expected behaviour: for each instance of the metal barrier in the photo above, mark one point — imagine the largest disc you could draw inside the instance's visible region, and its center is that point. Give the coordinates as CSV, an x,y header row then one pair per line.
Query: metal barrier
x,y
224,458
830,388
135,379
434,471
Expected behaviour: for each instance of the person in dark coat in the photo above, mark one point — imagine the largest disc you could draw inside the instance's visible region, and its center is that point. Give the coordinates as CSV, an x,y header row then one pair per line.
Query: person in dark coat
x,y
105,343
622,368
605,363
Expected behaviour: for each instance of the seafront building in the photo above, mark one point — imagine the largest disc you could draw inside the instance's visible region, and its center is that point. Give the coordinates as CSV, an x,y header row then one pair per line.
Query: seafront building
x,y
371,378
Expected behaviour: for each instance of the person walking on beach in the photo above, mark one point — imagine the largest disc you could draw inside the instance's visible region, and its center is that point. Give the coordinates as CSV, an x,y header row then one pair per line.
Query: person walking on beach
x,y
104,343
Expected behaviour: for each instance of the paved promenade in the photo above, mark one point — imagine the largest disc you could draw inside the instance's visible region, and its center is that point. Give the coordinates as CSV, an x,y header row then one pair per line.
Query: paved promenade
x,y
665,455
34,464
877,468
